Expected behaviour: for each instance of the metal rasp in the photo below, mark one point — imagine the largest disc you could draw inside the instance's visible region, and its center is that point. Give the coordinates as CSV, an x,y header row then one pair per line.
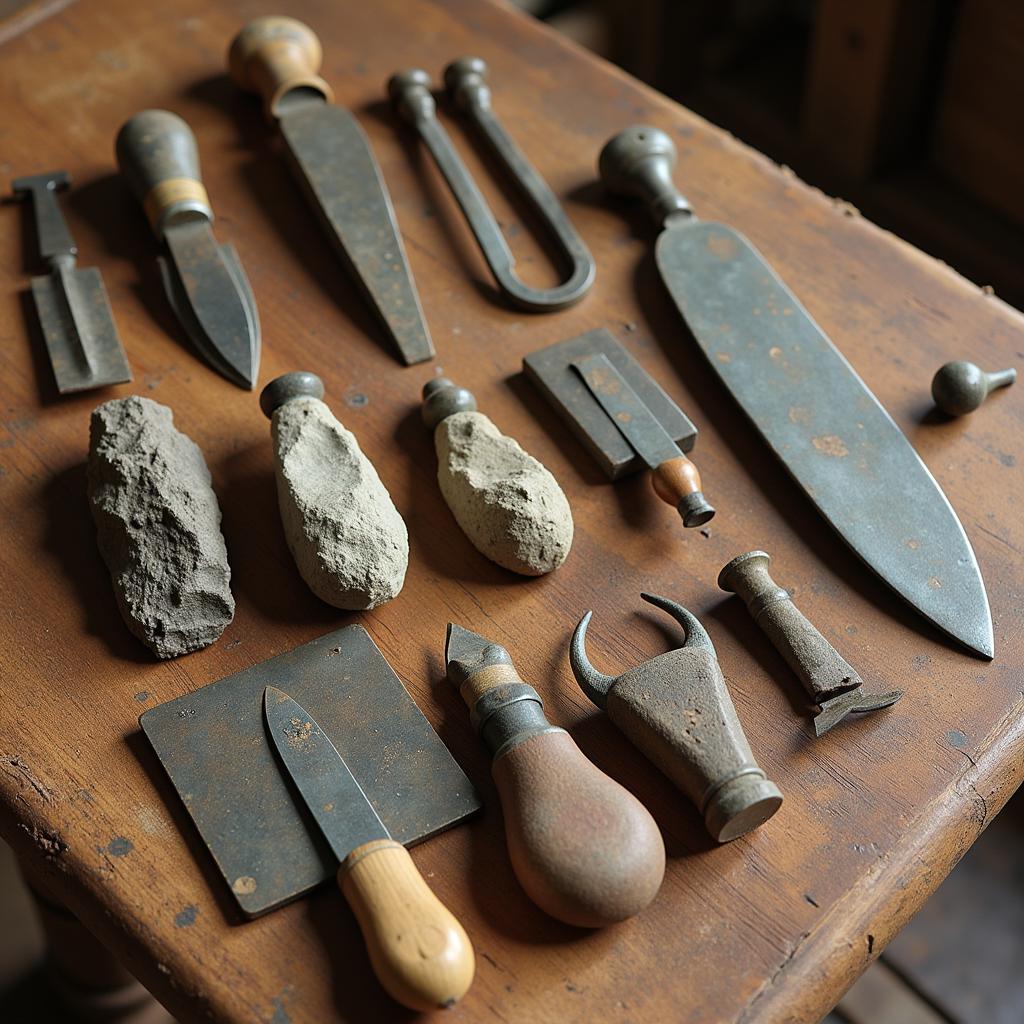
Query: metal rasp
x,y
204,281
419,951
331,158
807,401
74,312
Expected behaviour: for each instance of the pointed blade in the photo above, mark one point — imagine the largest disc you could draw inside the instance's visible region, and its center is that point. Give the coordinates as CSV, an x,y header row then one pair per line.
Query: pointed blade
x,y
210,294
320,774
335,166
829,430
463,645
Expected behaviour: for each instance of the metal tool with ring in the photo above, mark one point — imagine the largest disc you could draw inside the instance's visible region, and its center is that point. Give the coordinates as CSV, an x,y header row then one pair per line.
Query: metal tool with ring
x,y
466,80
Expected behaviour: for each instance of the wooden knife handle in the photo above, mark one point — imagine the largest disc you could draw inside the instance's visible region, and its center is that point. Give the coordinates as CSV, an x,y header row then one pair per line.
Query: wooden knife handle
x,y
157,154
639,162
677,482
276,57
419,951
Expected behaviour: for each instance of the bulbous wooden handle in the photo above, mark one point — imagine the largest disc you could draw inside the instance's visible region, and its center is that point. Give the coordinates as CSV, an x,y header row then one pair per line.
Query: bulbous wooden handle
x,y
419,951
677,482
157,154
275,57
585,850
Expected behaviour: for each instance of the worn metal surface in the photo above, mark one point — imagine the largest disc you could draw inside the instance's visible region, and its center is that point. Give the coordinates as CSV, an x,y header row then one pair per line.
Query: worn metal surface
x,y
74,311
332,795
551,369
960,387
213,745
676,708
824,673
807,401
466,80
204,281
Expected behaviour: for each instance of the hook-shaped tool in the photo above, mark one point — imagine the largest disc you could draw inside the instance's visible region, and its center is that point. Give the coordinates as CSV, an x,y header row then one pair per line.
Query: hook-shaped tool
x,y
466,80
677,710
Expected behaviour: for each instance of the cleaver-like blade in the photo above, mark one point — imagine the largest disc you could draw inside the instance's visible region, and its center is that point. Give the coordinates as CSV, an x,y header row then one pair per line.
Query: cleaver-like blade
x,y
808,402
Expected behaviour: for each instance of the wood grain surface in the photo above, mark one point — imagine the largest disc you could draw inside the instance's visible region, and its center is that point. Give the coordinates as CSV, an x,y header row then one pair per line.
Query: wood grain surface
x,y
772,927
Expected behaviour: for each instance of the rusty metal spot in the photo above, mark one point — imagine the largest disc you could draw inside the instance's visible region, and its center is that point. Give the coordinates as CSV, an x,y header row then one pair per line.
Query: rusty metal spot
x,y
831,445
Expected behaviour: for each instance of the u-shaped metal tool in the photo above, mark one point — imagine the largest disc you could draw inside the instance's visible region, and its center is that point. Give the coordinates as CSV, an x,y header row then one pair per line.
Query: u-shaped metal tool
x,y
466,81
676,708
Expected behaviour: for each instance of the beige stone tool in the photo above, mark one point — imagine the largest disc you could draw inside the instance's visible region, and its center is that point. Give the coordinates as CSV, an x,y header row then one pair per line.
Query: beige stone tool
x,y
506,502
348,540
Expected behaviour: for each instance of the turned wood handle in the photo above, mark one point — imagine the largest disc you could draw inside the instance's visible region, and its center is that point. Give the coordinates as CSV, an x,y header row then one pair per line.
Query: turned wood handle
x,y
157,154
276,57
677,482
585,850
419,951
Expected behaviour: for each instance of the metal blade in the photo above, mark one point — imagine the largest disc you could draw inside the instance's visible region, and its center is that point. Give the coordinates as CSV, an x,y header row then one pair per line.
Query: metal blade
x,y
320,774
210,294
634,420
829,430
334,164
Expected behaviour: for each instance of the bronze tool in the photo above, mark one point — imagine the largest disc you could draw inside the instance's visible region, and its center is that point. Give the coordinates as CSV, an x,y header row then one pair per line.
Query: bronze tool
x,y
74,312
960,387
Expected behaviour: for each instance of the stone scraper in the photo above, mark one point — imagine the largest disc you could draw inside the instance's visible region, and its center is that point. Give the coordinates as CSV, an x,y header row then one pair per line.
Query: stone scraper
x,y
807,401
214,746
74,312
331,158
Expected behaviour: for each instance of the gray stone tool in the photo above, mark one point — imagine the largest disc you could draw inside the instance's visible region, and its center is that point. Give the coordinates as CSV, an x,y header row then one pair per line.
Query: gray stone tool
x,y
676,708
347,538
158,527
74,312
960,387
506,502
831,682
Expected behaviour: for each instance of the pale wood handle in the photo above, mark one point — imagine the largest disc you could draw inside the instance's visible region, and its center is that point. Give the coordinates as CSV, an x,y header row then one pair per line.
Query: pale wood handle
x,y
275,56
419,951
677,482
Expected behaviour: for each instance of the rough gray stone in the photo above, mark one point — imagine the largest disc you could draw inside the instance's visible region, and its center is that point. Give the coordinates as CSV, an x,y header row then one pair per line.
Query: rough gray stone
x,y
348,540
506,502
158,527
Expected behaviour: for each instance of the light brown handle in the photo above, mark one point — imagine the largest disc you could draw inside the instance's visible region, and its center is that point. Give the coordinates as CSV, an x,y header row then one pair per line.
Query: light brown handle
x,y
677,482
419,951
275,57
585,850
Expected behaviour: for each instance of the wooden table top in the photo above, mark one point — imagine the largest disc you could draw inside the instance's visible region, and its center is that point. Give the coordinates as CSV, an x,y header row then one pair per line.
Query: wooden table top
x,y
771,927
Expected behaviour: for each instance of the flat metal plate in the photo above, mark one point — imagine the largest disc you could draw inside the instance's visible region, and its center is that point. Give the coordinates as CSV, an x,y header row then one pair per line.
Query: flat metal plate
x,y
214,746
87,354
829,430
551,370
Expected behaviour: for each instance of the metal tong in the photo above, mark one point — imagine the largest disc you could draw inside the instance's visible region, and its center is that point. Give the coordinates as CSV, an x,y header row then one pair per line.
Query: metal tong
x,y
466,82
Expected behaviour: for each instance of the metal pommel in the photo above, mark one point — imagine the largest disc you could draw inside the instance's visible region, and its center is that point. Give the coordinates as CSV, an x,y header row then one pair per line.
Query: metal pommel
x,y
466,82
411,96
300,384
960,387
442,398
639,162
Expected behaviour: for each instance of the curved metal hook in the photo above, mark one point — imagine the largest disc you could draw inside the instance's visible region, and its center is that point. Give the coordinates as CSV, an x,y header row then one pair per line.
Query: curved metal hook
x,y
696,634
593,683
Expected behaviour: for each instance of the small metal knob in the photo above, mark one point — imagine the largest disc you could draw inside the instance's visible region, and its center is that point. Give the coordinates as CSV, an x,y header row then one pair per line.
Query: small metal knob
x,y
410,93
442,398
300,384
960,387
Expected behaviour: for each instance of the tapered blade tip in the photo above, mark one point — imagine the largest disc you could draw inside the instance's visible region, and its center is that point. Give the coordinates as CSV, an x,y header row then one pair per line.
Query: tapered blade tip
x,y
461,643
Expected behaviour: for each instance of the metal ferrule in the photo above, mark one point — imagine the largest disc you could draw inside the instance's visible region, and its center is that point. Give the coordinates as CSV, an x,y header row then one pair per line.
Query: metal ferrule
x,y
507,714
709,793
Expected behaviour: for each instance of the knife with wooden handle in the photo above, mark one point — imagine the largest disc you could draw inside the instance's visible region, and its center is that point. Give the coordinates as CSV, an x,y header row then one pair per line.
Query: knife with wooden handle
x,y
419,951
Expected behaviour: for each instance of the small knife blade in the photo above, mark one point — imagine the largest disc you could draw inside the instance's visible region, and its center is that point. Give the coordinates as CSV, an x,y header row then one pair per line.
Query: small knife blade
x,y
396,910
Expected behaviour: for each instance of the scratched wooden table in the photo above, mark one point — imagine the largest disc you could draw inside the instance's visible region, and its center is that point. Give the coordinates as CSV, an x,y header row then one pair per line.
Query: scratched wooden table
x,y
772,927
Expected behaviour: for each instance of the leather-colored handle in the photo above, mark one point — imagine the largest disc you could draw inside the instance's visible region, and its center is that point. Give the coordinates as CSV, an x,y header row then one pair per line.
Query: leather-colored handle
x,y
419,951
584,848
677,482
277,57
157,154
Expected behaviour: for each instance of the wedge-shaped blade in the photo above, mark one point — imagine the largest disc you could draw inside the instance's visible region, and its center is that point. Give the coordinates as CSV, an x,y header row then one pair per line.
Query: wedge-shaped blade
x,y
210,294
320,774
334,164
829,430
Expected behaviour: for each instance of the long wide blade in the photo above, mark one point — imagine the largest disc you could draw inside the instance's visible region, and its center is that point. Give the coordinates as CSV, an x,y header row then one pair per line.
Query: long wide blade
x,y
829,430
320,774
333,161
210,294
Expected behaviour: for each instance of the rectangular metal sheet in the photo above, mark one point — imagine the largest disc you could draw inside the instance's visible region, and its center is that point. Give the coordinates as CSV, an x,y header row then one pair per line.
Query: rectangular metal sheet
x,y
551,370
214,746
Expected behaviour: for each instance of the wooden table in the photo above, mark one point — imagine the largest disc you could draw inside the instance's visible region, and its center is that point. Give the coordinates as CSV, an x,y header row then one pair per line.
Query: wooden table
x,y
772,927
